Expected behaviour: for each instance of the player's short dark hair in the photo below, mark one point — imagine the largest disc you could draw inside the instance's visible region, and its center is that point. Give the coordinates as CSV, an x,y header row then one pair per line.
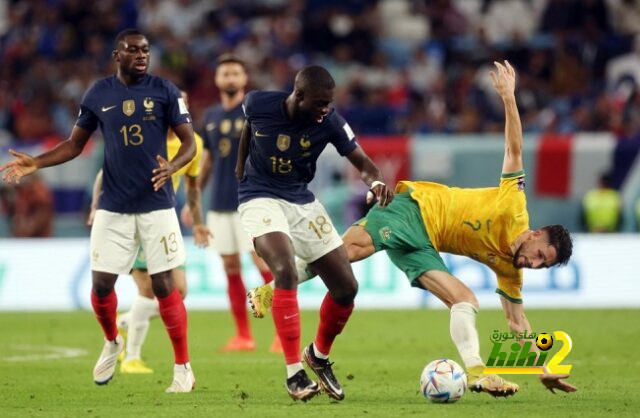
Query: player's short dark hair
x,y
560,239
229,58
123,34
315,77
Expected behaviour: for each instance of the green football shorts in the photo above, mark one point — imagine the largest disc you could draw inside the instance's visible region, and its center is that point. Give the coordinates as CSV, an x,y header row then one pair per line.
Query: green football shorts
x,y
399,230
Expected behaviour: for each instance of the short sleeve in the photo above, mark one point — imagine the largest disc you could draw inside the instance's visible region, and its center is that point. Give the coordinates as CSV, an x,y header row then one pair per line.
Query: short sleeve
x,y
512,181
208,130
510,286
194,164
247,105
87,119
177,112
342,137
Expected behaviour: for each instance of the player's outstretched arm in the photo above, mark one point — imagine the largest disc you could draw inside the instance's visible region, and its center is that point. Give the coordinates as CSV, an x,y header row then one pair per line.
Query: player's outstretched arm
x,y
504,81
25,164
201,233
371,175
185,154
243,149
519,323
95,197
205,169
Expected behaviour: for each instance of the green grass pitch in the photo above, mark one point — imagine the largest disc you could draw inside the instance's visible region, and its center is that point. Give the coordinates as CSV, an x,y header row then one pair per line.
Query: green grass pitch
x,y
378,358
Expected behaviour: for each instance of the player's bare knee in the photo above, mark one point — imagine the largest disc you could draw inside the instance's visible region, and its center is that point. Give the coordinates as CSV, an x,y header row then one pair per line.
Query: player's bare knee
x,y
103,283
231,263
162,284
346,293
464,296
145,288
285,274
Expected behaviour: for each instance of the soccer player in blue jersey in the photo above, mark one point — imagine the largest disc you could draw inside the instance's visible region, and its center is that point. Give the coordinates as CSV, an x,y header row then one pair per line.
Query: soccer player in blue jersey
x,y
283,135
222,127
134,110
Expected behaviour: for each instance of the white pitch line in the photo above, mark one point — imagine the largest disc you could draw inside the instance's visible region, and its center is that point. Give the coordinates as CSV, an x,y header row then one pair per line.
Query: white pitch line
x,y
46,353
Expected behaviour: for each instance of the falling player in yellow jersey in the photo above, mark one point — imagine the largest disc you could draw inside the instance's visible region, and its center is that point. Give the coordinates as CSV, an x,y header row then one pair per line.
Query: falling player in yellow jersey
x,y
134,324
490,225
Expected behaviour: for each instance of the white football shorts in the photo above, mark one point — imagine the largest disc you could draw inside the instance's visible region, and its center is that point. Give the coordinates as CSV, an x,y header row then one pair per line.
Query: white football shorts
x,y
308,225
116,238
228,235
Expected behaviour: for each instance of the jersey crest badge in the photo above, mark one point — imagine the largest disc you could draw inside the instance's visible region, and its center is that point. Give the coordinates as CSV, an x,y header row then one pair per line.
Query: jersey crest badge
x,y
238,124
283,142
305,141
128,107
385,233
225,126
224,146
148,104
148,109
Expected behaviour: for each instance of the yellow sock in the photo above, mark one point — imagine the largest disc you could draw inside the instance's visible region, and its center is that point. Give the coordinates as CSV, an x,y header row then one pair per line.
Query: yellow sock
x,y
473,373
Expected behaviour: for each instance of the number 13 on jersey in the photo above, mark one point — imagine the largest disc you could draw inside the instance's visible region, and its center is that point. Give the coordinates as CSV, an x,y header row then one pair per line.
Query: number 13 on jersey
x,y
132,134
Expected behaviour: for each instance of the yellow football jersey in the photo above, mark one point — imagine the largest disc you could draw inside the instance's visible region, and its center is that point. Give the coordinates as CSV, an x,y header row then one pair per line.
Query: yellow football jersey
x,y
191,169
479,223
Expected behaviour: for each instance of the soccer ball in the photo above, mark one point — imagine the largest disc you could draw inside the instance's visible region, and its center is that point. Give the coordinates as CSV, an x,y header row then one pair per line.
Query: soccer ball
x,y
443,381
544,341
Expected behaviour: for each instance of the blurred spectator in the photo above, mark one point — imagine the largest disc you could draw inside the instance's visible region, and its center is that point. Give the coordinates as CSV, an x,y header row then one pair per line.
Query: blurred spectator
x,y
29,207
625,66
624,16
421,64
602,207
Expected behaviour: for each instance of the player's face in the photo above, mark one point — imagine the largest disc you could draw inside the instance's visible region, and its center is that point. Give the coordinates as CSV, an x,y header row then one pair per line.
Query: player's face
x,y
314,104
132,55
231,78
535,252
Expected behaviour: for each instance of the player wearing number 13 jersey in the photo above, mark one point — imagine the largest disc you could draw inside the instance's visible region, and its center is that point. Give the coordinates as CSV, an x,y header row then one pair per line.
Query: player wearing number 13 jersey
x,y
283,135
134,111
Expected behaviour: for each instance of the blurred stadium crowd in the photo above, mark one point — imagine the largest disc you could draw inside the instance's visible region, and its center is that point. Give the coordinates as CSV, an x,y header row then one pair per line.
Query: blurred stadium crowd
x,y
402,66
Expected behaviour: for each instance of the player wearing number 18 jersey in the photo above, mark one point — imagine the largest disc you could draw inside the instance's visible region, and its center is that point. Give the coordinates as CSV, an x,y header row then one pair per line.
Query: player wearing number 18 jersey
x,y
283,135
134,111
490,225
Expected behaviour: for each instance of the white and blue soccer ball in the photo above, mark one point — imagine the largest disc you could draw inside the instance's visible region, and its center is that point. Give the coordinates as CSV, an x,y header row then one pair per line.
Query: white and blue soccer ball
x,y
443,381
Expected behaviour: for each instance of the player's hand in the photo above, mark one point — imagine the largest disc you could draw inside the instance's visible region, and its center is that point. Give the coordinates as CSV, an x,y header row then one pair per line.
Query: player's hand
x,y
186,217
555,381
381,193
92,215
201,235
504,81
161,174
23,165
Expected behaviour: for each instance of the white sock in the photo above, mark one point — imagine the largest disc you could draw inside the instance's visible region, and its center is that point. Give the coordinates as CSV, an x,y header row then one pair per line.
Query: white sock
x,y
318,354
464,333
142,311
124,320
293,368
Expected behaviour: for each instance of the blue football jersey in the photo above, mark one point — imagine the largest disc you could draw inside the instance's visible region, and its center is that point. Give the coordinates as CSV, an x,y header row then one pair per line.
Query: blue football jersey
x,y
221,134
283,153
134,121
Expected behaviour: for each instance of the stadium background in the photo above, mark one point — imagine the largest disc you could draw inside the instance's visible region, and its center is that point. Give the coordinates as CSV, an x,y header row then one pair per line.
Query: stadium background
x,y
413,83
